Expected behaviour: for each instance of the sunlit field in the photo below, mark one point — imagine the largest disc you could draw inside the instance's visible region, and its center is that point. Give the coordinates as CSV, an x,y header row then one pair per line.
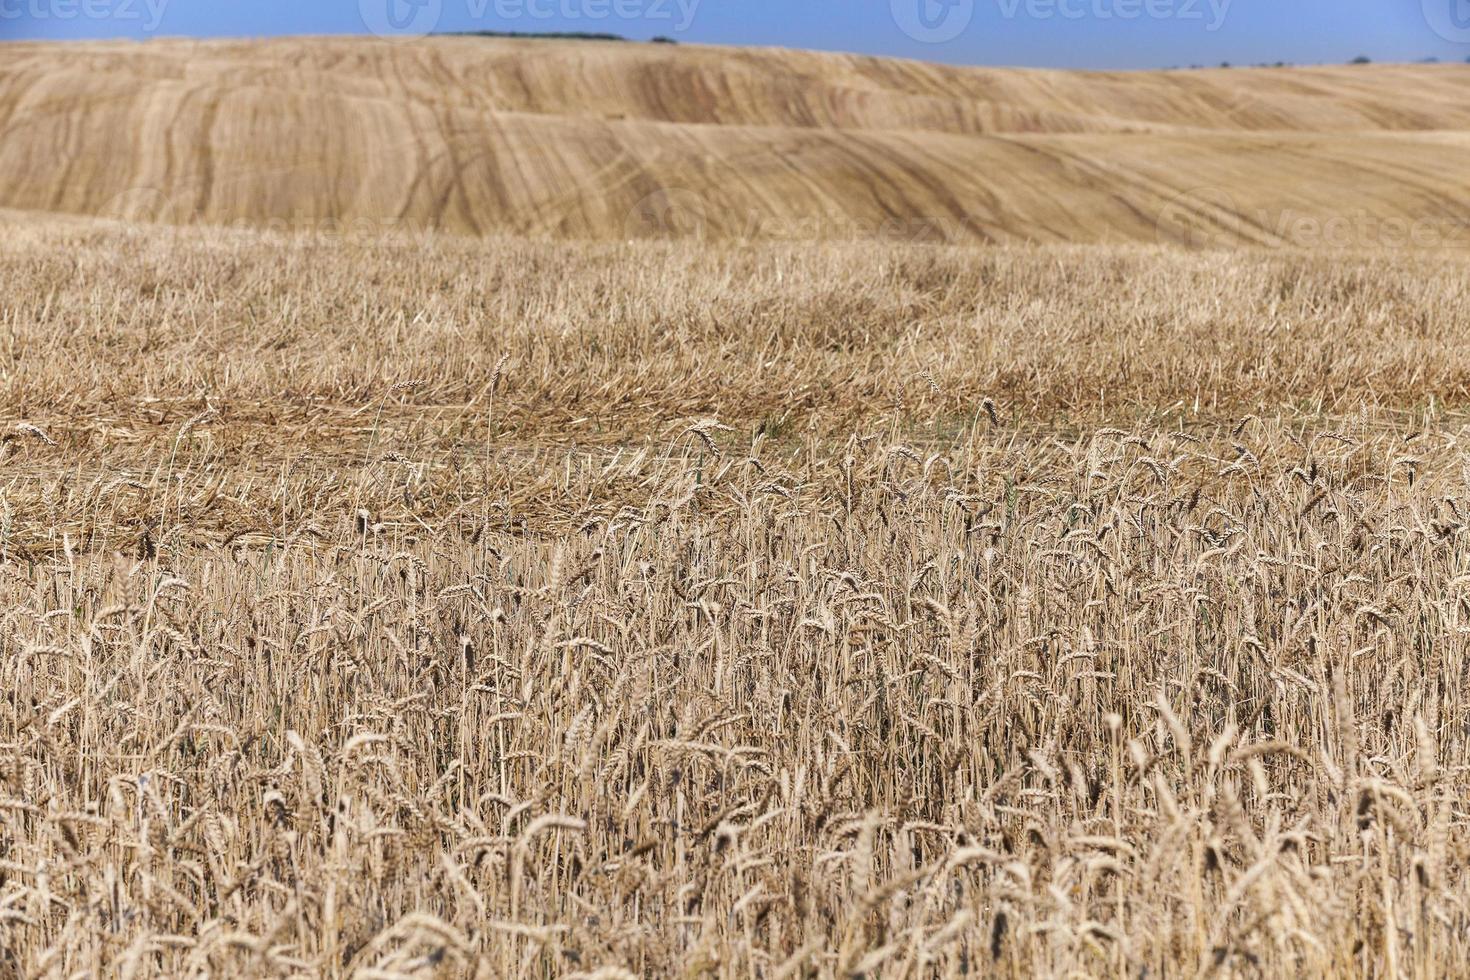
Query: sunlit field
x,y
498,607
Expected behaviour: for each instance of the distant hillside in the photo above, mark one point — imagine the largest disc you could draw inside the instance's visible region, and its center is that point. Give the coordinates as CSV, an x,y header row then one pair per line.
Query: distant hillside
x,y
601,139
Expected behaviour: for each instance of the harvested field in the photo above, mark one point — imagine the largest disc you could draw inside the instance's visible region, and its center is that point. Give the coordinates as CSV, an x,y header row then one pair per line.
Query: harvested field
x,y
612,141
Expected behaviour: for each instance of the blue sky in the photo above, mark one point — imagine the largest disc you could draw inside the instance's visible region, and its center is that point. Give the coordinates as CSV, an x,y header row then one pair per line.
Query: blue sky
x,y
1062,33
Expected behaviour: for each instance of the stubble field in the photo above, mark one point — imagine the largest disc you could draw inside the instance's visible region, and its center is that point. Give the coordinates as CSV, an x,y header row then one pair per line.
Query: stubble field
x,y
511,608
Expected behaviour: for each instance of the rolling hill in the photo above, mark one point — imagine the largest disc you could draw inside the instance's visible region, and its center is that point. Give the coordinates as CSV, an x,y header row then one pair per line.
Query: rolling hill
x,y
577,139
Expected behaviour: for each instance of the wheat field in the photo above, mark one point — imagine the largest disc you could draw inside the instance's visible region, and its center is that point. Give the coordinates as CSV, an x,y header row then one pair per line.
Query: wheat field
x,y
513,608
931,562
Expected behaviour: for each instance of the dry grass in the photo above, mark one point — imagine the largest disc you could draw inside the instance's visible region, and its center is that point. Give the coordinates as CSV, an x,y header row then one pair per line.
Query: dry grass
x,y
385,612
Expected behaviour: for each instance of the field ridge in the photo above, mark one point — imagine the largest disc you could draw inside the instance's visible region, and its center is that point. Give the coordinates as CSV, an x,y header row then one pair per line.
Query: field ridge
x,y
605,140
